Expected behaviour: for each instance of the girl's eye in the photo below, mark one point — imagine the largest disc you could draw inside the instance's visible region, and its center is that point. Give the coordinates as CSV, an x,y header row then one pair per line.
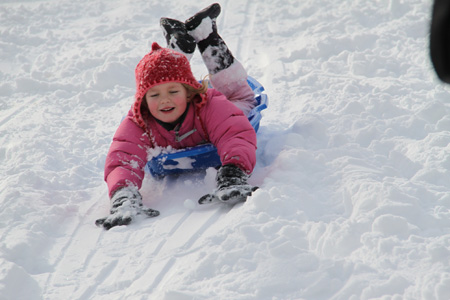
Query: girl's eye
x,y
154,95
173,92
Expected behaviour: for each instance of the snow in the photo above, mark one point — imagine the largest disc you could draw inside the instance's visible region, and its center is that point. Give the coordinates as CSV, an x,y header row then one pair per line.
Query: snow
x,y
353,157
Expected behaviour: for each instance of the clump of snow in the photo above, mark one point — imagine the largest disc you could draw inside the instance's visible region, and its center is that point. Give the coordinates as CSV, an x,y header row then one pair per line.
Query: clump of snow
x,y
353,165
190,204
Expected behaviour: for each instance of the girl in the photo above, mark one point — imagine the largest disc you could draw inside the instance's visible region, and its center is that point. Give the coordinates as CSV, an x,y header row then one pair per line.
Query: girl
x,y
172,108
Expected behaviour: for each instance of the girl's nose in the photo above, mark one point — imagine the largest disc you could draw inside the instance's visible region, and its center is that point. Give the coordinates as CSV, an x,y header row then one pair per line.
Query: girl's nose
x,y
164,99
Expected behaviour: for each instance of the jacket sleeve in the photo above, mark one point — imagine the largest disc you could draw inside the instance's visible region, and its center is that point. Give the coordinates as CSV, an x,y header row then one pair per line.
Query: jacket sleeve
x,y
127,156
231,132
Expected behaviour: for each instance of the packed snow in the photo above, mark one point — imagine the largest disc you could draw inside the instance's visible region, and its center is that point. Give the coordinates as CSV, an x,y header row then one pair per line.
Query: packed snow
x,y
353,157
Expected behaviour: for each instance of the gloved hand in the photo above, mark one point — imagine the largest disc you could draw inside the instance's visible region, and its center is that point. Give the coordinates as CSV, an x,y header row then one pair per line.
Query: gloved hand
x,y
232,186
126,204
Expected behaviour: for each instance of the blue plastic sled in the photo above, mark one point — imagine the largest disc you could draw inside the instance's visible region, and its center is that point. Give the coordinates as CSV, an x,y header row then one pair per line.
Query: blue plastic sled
x,y
203,156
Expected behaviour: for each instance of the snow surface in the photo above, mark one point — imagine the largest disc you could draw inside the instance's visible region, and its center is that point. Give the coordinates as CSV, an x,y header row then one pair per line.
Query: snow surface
x,y
353,158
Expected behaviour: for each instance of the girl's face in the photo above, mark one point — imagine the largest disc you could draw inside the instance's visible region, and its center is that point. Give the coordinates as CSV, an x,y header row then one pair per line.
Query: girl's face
x,y
167,101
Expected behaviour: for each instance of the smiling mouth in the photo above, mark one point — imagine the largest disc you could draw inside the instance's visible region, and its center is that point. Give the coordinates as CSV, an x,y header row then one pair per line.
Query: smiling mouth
x,y
167,109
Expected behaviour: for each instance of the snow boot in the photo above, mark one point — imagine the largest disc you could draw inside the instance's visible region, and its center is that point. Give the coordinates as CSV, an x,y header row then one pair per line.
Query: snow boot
x,y
177,37
227,74
202,26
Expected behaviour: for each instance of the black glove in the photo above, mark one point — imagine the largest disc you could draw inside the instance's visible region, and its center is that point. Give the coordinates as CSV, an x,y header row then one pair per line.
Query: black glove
x,y
232,186
126,204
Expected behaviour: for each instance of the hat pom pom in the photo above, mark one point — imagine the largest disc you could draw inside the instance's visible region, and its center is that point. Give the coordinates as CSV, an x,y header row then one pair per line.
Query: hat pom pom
x,y
155,46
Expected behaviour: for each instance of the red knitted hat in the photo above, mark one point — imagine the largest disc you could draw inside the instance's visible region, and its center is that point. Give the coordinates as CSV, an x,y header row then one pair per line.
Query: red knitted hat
x,y
161,65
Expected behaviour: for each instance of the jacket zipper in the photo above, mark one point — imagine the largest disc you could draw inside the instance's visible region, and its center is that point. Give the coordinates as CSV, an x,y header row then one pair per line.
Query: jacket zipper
x,y
180,138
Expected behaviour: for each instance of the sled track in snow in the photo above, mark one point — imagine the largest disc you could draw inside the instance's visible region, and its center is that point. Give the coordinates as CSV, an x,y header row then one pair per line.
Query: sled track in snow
x,y
83,252
69,258
179,243
23,111
6,118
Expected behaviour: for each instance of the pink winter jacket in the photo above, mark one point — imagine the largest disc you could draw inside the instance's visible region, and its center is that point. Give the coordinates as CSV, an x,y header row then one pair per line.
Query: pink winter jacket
x,y
226,127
